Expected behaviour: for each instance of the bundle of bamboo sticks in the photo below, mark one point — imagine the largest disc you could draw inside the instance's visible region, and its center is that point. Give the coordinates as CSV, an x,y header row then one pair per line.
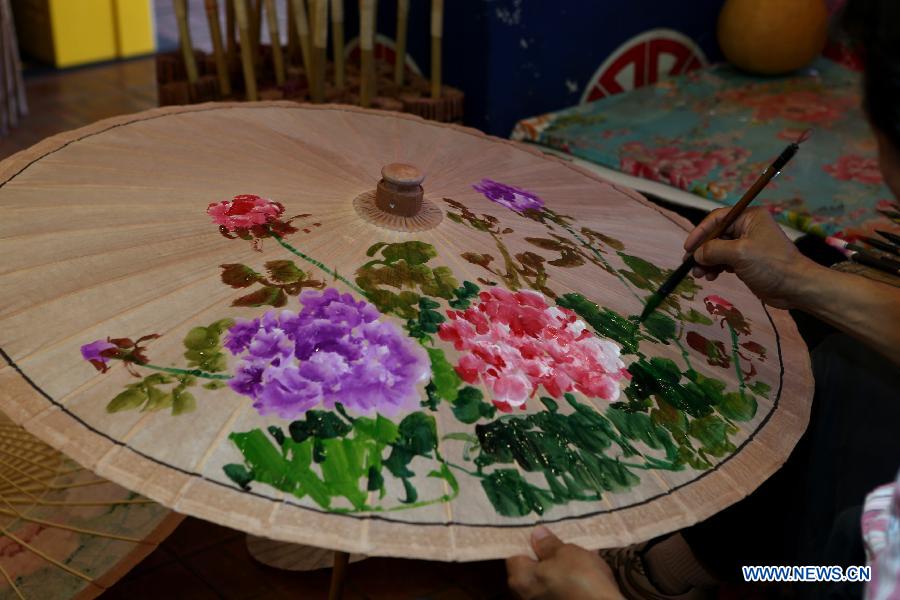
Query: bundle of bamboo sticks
x,y
13,104
241,67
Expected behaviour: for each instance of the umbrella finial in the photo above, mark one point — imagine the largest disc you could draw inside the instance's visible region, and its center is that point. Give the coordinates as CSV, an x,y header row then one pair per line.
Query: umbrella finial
x,y
400,190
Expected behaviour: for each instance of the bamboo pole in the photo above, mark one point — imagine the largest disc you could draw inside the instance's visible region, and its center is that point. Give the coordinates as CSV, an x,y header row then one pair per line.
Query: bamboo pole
x,y
184,35
400,49
300,17
320,44
243,25
293,40
230,43
437,34
275,39
337,43
215,33
254,18
367,52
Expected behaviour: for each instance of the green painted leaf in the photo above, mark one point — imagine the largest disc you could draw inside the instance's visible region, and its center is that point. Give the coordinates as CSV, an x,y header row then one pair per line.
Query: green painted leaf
x,y
696,317
321,424
238,276
239,474
374,248
738,406
512,496
413,252
183,402
661,326
380,429
418,433
469,406
129,399
265,296
277,434
157,400
443,376
605,322
375,480
760,388
284,271
712,433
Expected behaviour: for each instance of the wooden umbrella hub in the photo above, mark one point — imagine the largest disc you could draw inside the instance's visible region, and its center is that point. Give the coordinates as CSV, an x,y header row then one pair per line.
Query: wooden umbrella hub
x,y
400,190
398,201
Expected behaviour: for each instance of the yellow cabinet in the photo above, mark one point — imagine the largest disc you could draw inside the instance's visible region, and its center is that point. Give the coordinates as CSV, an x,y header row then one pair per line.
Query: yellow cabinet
x,y
66,33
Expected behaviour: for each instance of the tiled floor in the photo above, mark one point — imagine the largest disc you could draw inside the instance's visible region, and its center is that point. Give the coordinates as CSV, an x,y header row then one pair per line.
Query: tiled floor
x,y
58,102
201,560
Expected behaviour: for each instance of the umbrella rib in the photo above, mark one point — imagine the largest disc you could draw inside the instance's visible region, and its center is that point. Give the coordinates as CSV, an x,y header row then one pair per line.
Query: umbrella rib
x,y
45,556
11,583
217,441
91,532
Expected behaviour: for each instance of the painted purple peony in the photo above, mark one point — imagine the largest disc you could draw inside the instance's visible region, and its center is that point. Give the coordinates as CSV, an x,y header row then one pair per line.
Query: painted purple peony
x,y
509,196
335,350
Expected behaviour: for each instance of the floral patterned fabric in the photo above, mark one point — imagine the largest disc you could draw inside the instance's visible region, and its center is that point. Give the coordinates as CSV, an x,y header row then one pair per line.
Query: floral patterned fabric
x,y
711,132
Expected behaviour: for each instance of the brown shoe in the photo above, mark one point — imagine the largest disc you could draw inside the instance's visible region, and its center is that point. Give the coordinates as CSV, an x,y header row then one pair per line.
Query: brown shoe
x,y
627,565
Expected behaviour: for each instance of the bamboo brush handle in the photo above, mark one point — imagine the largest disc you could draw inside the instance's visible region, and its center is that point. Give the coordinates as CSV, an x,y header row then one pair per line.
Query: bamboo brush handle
x,y
437,34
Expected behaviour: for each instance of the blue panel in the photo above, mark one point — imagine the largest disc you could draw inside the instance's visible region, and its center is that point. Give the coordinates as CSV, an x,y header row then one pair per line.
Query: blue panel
x,y
517,58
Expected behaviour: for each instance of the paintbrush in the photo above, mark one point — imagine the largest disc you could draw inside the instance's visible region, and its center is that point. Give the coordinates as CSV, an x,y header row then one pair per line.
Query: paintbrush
x,y
689,263
883,246
890,214
891,237
859,254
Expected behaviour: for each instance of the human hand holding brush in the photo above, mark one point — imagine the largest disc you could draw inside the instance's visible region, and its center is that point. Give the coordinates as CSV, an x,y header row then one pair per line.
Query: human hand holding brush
x,y
756,250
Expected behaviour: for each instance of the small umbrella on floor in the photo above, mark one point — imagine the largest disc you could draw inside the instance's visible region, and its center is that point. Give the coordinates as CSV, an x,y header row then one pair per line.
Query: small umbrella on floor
x,y
64,532
368,332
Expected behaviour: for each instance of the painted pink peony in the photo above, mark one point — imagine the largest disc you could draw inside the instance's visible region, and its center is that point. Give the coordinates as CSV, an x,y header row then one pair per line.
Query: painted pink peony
x,y
851,167
244,212
514,343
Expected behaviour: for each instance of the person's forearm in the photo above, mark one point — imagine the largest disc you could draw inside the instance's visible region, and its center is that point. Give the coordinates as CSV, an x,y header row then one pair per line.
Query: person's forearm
x,y
866,309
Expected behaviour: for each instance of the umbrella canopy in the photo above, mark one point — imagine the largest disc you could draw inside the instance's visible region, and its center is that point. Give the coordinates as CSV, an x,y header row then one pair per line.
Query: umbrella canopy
x,y
226,308
64,532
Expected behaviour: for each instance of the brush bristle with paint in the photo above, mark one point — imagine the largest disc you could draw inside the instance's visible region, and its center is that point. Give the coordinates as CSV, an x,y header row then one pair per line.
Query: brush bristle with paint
x,y
681,272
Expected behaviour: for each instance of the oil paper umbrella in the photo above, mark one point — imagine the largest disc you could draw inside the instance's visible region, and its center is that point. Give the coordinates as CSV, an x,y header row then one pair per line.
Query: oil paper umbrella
x,y
261,315
64,532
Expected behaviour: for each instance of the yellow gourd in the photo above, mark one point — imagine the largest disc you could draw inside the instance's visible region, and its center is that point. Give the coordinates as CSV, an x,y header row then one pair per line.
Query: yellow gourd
x,y
771,37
